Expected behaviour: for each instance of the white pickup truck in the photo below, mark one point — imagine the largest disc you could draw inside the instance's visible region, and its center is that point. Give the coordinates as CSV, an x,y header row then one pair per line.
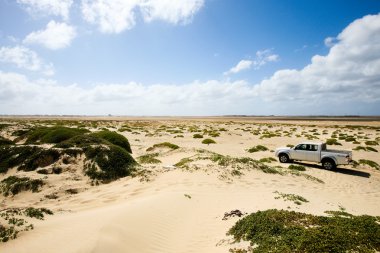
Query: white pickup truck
x,y
314,152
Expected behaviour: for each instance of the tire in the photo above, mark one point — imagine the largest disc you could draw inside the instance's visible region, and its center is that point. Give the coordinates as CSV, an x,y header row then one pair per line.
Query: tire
x,y
283,158
328,164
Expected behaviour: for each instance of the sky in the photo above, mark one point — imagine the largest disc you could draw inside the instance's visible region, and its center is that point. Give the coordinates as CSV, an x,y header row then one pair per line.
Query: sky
x,y
190,57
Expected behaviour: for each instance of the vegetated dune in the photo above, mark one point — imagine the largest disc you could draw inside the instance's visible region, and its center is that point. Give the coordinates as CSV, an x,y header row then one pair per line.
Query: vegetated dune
x,y
178,202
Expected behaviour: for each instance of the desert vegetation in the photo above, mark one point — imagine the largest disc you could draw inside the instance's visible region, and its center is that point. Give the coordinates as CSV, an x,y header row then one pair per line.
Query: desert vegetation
x,y
288,231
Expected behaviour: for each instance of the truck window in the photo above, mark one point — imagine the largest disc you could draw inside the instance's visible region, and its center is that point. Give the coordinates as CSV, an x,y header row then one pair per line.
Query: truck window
x,y
313,147
323,146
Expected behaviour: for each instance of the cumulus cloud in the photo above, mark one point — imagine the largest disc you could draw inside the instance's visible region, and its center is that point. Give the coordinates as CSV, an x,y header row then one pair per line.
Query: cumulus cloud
x,y
330,41
242,65
262,58
196,98
118,15
25,58
55,36
349,72
345,81
47,7
171,11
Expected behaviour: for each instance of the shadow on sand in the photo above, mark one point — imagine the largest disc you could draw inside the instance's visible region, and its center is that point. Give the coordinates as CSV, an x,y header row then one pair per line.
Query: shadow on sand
x,y
345,171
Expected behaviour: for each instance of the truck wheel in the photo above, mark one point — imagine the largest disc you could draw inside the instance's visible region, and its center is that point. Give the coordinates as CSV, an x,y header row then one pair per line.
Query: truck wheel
x,y
328,164
284,158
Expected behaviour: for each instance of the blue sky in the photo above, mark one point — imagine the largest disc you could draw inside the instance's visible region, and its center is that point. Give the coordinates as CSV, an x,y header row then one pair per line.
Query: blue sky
x,y
190,57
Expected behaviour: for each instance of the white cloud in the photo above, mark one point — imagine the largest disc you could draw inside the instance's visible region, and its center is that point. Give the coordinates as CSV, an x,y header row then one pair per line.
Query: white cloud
x,y
349,72
262,58
44,97
111,16
345,81
48,7
171,11
115,16
330,41
55,36
25,58
242,65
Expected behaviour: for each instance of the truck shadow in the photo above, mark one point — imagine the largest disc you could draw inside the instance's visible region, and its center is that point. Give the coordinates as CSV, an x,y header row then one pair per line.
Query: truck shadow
x,y
345,171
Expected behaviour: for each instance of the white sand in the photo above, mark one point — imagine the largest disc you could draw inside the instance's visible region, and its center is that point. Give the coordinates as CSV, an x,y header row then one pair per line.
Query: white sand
x,y
133,216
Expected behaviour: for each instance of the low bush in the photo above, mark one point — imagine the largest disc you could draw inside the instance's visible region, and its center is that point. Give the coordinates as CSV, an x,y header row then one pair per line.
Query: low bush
x,y
82,141
333,141
4,141
297,199
371,143
53,134
11,156
350,139
42,158
14,185
297,167
369,149
257,149
267,160
114,138
108,163
197,136
370,163
288,231
148,158
208,141
163,145
37,213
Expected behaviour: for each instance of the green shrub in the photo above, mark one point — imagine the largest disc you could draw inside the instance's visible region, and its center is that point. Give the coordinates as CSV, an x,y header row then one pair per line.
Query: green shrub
x,y
267,160
365,149
360,148
197,136
82,141
7,233
148,158
371,149
333,141
289,231
4,141
114,138
290,145
370,163
13,185
53,134
37,213
371,143
257,149
350,139
183,162
163,145
11,156
208,141
297,199
42,158
297,167
107,163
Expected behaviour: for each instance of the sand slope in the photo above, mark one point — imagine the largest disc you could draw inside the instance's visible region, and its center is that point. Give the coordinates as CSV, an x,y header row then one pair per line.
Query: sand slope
x,y
181,210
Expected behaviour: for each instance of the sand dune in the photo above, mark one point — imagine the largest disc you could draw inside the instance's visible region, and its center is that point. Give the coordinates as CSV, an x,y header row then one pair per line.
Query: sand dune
x,y
181,210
